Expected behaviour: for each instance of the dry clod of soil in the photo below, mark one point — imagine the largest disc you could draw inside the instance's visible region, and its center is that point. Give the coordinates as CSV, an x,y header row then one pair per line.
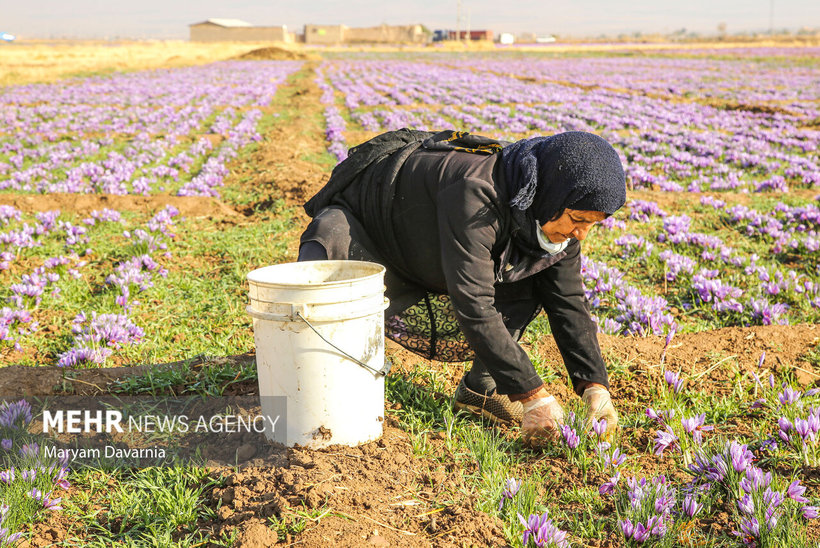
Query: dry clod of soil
x,y
377,540
273,53
256,534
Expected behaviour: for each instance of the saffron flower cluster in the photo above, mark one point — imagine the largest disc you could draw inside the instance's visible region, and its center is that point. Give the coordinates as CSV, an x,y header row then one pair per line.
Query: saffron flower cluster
x,y
646,508
28,481
96,338
541,532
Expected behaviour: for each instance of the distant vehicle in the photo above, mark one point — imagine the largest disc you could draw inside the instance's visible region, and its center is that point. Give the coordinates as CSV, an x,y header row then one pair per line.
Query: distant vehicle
x,y
545,39
441,35
6,37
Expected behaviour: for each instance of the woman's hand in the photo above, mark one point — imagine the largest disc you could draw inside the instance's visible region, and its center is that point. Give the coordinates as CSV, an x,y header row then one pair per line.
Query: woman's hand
x,y
599,406
543,417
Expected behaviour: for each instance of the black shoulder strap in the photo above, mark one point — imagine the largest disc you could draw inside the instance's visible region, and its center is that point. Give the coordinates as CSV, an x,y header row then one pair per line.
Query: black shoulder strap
x,y
464,142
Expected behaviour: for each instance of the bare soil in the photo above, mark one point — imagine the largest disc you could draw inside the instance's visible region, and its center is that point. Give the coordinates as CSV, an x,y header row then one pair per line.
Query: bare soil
x,y
188,206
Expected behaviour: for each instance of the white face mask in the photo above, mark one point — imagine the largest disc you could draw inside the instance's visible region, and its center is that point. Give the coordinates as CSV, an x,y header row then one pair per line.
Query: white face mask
x,y
547,245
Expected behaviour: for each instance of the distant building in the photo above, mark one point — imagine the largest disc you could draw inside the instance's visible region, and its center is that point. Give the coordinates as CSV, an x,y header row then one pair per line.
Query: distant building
x,y
235,30
325,34
387,34
383,34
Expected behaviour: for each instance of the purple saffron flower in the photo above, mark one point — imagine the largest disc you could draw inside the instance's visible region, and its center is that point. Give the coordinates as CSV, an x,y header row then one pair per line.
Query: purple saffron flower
x,y
549,535
750,528
785,427
45,499
795,492
641,533
673,380
30,450
656,525
801,426
9,540
814,423
746,505
510,490
773,499
60,479
51,503
512,487
661,417
627,528
769,445
741,457
570,436
543,531
755,480
614,460
665,502
665,440
609,487
789,396
695,426
691,506
15,415
810,512
669,337
599,426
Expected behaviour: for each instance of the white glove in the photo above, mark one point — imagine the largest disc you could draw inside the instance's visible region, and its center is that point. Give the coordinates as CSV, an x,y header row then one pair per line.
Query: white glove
x,y
599,406
542,421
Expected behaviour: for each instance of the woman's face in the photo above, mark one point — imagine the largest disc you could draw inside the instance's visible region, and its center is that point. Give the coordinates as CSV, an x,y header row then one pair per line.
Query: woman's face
x,y
573,223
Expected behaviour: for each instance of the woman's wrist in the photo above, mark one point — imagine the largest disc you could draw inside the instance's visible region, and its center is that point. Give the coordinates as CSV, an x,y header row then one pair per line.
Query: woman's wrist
x,y
540,393
583,385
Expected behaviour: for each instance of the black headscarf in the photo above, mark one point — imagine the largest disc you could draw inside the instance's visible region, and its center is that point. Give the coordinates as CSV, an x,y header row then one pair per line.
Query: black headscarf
x,y
545,175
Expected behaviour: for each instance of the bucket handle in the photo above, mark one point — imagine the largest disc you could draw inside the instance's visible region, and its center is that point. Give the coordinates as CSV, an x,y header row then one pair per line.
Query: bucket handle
x,y
383,371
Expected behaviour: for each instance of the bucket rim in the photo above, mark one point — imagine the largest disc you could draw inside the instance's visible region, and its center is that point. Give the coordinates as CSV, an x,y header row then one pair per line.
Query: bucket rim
x,y
253,275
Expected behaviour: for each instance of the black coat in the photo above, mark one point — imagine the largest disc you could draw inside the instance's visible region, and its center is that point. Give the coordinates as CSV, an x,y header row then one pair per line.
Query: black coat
x,y
447,229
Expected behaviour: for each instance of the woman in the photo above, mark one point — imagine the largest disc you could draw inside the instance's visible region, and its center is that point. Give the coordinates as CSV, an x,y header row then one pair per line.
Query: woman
x,y
477,236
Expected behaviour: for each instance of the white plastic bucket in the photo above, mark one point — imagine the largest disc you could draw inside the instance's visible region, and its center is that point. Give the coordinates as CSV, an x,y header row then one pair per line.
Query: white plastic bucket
x,y
312,322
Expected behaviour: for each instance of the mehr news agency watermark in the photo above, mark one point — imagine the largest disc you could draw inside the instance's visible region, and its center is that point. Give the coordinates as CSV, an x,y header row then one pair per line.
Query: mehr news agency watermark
x,y
141,431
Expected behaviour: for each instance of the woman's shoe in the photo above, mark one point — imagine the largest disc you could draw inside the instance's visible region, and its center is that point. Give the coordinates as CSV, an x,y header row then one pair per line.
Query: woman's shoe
x,y
496,407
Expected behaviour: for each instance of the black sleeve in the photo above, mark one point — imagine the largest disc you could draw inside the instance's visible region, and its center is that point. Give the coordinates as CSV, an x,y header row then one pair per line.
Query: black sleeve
x,y
561,291
469,224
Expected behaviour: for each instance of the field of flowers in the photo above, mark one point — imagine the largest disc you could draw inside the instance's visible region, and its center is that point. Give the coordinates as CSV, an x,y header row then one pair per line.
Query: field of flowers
x,y
721,232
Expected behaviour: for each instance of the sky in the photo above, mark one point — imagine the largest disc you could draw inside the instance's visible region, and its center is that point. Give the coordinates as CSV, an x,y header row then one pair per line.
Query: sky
x,y
169,19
